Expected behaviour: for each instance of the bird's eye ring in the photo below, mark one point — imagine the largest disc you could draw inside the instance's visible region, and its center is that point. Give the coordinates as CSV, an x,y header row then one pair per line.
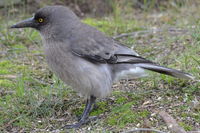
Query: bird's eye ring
x,y
40,20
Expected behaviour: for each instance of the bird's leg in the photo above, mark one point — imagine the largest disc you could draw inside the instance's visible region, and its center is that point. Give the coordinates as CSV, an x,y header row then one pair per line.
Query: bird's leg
x,y
85,114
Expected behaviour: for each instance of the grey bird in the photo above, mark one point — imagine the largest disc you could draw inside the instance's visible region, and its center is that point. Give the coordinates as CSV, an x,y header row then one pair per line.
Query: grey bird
x,y
85,58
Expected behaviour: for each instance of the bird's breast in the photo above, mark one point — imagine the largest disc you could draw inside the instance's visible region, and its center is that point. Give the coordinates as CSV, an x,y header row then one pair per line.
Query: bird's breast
x,y
85,77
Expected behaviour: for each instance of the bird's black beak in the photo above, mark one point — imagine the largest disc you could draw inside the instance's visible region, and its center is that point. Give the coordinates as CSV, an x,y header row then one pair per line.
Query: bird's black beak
x,y
30,22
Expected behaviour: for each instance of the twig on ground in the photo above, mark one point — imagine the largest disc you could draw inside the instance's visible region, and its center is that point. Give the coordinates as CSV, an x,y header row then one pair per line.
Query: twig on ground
x,y
8,76
193,131
137,33
134,34
171,123
142,129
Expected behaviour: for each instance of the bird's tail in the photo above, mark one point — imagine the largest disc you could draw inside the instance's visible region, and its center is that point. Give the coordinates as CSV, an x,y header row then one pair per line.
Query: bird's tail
x,y
165,70
148,65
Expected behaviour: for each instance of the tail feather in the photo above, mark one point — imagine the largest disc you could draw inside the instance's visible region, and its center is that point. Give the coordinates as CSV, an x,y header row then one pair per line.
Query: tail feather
x,y
148,65
165,70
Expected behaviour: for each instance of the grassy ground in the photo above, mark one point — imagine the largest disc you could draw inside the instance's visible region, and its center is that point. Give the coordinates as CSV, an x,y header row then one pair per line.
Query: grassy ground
x,y
32,99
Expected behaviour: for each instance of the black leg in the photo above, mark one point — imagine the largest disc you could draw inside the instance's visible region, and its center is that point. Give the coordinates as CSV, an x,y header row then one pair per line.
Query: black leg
x,y
85,114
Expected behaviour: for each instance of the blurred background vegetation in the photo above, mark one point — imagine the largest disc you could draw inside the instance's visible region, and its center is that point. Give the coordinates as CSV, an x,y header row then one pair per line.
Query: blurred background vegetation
x,y
95,8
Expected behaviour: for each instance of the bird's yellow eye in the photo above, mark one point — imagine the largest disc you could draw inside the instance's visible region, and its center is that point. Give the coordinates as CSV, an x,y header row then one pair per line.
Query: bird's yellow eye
x,y
40,20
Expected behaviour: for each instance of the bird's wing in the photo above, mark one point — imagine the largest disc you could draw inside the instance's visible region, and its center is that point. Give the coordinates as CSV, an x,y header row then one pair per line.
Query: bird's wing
x,y
107,51
96,47
94,50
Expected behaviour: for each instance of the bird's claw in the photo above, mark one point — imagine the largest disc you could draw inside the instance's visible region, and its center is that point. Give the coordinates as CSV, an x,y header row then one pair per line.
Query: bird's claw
x,y
77,125
80,123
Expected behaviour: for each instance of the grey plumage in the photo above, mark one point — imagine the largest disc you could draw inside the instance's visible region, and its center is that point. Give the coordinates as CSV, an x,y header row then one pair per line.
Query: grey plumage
x,y
86,58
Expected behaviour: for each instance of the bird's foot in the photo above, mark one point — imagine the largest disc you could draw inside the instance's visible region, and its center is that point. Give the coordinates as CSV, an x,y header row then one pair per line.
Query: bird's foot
x,y
85,116
76,125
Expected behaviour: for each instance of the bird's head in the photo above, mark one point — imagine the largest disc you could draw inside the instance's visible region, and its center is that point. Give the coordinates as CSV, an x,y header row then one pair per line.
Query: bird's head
x,y
50,19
